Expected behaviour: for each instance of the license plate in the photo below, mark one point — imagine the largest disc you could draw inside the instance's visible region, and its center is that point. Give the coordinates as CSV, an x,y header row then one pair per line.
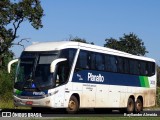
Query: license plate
x,y
29,102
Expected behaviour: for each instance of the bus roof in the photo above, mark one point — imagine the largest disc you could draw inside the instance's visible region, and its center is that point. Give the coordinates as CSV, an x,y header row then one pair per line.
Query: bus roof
x,y
51,46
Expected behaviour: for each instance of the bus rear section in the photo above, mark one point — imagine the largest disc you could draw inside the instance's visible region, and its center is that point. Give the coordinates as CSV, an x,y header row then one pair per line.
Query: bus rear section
x,y
108,80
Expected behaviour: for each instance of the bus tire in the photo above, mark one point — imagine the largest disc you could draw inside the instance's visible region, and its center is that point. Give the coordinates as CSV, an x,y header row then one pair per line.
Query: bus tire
x,y
130,105
138,106
73,105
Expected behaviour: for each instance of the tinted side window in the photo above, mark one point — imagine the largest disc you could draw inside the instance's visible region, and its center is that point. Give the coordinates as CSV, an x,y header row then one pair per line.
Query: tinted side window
x,y
69,54
134,67
126,66
93,60
99,61
82,61
151,68
72,53
63,68
113,62
107,63
120,65
143,70
110,63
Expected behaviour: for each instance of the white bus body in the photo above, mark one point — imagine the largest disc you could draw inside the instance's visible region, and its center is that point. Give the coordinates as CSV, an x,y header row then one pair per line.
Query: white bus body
x,y
83,76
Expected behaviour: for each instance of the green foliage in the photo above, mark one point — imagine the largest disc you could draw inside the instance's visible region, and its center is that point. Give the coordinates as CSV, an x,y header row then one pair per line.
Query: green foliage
x,y
5,59
7,103
6,84
6,80
158,76
77,39
158,96
128,43
112,43
12,14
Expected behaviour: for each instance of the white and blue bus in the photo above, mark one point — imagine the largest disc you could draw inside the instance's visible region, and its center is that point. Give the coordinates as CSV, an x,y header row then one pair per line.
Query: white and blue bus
x,y
75,75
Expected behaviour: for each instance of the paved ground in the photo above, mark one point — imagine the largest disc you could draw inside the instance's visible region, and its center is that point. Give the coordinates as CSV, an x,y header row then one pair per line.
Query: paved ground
x,y
56,113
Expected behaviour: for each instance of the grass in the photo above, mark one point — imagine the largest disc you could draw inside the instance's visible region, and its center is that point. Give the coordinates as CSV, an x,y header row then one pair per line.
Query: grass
x,y
9,105
6,104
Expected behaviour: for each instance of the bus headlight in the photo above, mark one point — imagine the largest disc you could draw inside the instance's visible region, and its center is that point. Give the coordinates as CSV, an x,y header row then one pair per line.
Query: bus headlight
x,y
52,93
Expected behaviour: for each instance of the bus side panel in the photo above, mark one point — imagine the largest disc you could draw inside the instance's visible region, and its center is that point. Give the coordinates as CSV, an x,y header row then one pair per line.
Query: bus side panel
x,y
150,93
149,96
123,97
88,97
102,96
117,96
110,96
59,101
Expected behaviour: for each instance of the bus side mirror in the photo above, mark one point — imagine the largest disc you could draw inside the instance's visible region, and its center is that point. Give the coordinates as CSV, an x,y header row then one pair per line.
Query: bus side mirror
x,y
54,63
10,63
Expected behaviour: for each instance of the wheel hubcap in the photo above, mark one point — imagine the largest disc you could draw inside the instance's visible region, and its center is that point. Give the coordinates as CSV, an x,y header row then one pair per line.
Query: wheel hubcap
x,y
72,105
139,106
130,106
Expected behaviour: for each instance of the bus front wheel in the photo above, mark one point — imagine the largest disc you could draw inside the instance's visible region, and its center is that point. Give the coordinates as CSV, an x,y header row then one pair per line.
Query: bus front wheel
x,y
73,105
130,105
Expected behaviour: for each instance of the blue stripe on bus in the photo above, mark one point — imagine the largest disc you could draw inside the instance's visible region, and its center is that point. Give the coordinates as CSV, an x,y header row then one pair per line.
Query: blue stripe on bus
x,y
27,93
110,78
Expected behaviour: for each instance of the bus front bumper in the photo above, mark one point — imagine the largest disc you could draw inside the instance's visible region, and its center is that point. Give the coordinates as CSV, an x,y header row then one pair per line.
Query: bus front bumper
x,y
43,102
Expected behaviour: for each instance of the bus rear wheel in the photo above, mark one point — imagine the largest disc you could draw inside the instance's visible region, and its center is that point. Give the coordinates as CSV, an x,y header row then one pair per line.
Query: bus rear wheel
x,y
73,105
138,106
130,105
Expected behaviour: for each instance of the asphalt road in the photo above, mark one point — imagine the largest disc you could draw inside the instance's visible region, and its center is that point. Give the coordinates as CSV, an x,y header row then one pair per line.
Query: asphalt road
x,y
61,113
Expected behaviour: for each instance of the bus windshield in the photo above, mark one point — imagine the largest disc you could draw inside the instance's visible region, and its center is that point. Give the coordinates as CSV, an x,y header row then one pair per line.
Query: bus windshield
x,y
33,71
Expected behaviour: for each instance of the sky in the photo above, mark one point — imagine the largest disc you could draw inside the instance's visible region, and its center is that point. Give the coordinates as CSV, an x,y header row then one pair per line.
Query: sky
x,y
96,20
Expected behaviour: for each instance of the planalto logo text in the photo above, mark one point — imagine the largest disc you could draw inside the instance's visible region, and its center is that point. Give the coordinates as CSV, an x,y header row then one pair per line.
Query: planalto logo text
x,y
95,78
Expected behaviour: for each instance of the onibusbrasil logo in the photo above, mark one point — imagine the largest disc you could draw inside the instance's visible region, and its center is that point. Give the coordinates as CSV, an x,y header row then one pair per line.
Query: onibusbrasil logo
x,y
13,114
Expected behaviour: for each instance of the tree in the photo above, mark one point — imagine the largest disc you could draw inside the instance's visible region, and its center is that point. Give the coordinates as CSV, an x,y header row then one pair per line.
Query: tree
x,y
158,75
77,39
12,15
112,43
128,43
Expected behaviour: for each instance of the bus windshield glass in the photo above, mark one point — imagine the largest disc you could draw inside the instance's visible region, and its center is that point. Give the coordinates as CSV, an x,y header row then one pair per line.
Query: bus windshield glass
x,y
33,71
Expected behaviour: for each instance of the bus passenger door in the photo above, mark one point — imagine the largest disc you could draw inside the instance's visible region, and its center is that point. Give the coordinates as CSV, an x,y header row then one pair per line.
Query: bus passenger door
x,y
88,95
